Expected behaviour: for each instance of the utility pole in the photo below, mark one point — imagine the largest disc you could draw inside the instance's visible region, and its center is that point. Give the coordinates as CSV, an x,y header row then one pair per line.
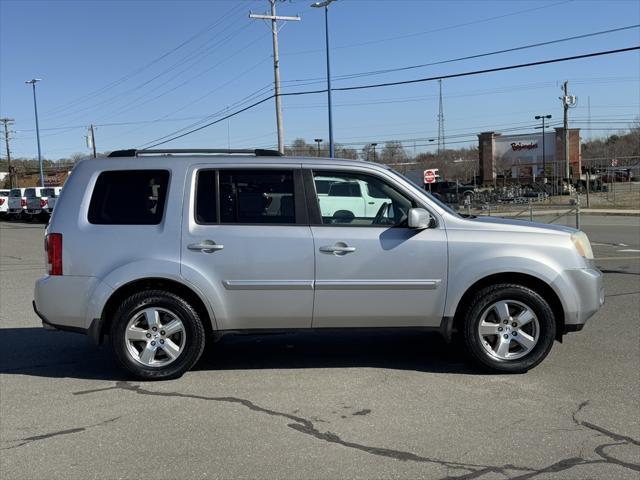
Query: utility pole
x,y
567,102
544,155
7,122
276,64
441,146
91,140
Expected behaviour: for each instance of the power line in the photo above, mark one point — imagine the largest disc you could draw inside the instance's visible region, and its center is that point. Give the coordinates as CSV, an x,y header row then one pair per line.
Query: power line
x,y
490,70
121,80
132,104
436,30
404,82
470,57
196,57
243,101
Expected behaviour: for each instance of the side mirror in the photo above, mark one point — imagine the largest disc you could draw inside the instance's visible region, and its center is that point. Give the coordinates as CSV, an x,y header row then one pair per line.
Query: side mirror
x,y
419,218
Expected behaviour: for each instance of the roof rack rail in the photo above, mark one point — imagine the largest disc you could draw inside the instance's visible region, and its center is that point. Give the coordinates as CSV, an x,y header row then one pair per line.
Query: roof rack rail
x,y
258,152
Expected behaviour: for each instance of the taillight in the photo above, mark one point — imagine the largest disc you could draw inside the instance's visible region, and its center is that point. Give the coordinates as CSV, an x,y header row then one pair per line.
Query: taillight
x,y
54,253
1,201
43,202
23,202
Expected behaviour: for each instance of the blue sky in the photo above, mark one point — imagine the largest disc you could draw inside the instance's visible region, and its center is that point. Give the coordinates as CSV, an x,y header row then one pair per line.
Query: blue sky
x,y
159,66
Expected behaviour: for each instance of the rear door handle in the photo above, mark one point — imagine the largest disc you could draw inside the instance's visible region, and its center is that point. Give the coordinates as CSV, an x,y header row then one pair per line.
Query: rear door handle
x,y
207,246
338,249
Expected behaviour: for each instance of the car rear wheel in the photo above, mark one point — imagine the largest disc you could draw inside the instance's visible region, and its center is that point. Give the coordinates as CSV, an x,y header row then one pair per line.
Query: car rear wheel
x,y
157,335
508,328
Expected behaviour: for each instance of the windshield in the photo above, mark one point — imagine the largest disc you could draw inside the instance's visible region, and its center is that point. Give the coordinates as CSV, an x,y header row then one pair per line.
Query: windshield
x,y
423,192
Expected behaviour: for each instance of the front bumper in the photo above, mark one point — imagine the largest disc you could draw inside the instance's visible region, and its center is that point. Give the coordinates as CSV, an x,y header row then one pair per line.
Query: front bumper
x,y
587,285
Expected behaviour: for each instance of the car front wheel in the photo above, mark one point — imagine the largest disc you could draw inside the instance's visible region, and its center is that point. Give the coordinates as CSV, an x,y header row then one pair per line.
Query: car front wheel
x,y
508,328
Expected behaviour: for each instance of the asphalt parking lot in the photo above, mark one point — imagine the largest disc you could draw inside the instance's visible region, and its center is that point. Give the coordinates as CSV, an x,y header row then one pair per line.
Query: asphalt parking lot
x,y
323,405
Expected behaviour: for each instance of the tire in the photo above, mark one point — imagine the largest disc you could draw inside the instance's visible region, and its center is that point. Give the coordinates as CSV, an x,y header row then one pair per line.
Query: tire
x,y
167,352
517,345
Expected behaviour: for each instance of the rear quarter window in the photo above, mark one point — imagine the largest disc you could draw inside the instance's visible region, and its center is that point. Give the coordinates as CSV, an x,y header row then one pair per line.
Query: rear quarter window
x,y
129,197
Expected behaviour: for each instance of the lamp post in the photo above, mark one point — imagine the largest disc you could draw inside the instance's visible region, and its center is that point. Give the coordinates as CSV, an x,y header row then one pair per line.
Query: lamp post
x,y
544,157
318,141
374,145
325,4
33,82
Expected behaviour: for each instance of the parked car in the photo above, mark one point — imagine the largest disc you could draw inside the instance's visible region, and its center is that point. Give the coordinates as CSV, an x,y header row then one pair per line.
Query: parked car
x,y
4,203
452,192
340,196
33,194
41,201
161,251
17,203
616,175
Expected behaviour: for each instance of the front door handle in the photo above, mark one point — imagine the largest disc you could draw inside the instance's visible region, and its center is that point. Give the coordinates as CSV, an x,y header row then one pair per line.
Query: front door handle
x,y
339,248
207,246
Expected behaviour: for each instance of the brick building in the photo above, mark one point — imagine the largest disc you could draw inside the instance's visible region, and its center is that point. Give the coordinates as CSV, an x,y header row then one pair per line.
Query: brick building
x,y
528,157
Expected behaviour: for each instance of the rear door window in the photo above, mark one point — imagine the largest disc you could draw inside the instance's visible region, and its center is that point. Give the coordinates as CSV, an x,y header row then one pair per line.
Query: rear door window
x,y
129,197
245,197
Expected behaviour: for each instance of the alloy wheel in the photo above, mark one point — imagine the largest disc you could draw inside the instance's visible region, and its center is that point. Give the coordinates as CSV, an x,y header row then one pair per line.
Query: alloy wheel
x,y
155,337
508,330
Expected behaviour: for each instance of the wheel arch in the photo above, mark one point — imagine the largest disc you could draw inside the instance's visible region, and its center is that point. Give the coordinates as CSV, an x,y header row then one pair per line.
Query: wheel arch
x,y
186,292
534,283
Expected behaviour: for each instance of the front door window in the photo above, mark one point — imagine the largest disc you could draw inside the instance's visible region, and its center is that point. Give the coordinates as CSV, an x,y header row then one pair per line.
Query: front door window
x,y
359,200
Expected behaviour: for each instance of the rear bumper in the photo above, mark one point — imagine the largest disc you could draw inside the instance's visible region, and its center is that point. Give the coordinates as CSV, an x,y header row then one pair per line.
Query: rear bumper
x,y
94,331
64,299
53,326
62,303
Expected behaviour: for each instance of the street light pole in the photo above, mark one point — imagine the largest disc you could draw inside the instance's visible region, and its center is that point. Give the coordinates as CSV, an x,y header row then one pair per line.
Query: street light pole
x,y
544,156
33,82
374,145
325,5
318,141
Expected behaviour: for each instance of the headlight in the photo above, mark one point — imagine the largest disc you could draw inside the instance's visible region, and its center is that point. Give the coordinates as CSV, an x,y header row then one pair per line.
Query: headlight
x,y
582,244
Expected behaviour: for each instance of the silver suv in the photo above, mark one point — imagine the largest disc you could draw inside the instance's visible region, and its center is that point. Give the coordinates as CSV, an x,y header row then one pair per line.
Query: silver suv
x,y
160,249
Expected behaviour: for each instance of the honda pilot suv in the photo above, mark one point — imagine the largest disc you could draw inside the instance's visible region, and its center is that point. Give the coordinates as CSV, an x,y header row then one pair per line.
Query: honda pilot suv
x,y
159,250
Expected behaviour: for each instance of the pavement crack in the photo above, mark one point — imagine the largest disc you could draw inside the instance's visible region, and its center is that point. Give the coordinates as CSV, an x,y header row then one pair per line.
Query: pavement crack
x,y
472,470
612,435
621,272
364,411
45,436
307,427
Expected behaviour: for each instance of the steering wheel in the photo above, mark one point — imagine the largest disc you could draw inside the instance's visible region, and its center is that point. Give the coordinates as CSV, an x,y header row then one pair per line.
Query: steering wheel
x,y
382,212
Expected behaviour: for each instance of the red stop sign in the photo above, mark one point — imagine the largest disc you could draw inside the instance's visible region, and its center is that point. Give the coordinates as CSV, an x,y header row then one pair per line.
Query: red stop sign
x,y
429,176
